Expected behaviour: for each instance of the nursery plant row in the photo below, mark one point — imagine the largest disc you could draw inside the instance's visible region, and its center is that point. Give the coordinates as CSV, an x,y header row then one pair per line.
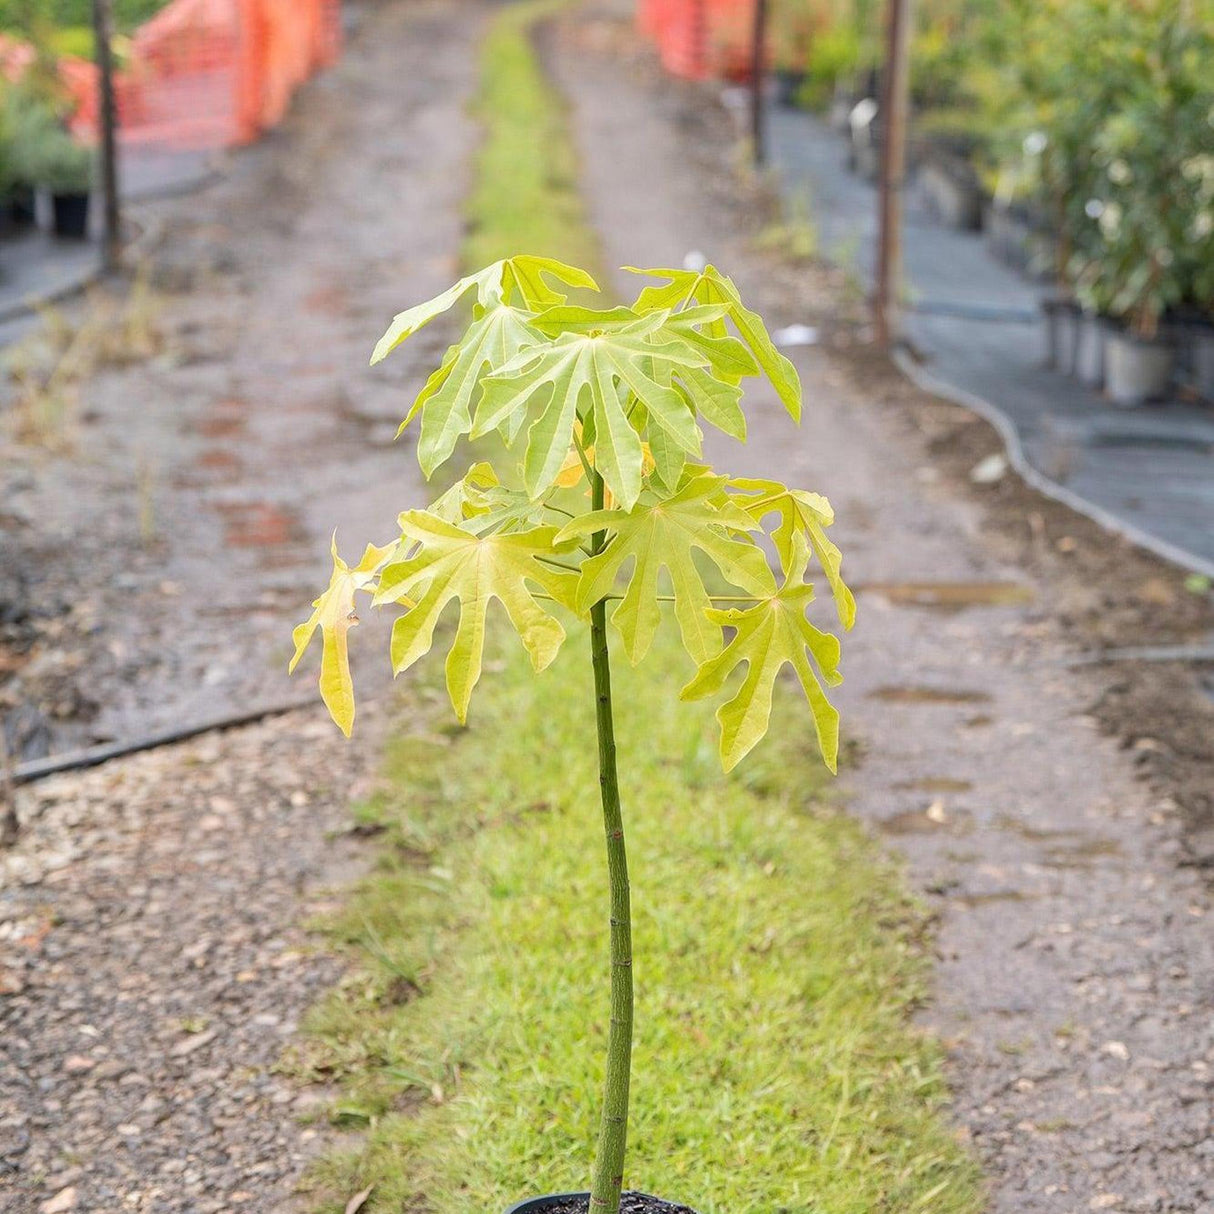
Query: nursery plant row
x,y
1077,134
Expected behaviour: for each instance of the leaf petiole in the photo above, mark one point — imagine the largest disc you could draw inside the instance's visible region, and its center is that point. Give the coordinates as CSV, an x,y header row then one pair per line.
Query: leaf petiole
x,y
547,560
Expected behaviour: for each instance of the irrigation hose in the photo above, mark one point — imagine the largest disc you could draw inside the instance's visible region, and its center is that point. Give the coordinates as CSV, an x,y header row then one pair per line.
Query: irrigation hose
x,y
94,756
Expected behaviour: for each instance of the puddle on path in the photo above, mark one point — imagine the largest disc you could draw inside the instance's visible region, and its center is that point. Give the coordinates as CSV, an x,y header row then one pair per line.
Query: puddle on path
x,y
934,784
932,820
1079,853
950,596
992,897
896,694
1063,848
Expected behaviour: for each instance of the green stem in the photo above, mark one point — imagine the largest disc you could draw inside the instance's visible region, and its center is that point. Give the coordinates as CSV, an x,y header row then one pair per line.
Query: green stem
x,y
608,1178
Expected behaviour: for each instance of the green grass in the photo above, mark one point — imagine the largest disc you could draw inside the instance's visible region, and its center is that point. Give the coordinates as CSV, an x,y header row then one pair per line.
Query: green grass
x,y
526,198
777,959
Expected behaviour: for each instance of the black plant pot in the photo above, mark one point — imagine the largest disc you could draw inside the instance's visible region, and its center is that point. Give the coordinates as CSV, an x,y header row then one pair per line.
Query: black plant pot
x,y
539,1205
788,87
21,208
71,213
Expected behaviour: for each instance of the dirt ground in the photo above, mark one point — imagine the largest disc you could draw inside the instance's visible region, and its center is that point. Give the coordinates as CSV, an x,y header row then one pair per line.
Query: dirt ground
x,y
152,960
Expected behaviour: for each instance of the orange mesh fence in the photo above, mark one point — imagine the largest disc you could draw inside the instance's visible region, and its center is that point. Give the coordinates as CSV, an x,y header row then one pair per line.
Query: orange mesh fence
x,y
700,39
211,73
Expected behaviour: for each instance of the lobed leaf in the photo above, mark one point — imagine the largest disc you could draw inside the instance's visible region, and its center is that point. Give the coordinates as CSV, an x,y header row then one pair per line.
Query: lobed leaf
x,y
495,284
767,637
806,514
495,336
333,613
710,286
448,562
663,533
605,370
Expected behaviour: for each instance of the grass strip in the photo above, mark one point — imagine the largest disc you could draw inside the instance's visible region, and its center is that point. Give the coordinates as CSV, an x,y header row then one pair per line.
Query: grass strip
x,y
525,198
777,959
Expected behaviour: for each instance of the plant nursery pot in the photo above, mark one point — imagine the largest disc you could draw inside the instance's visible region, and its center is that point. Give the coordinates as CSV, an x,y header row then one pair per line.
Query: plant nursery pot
x,y
71,212
1061,334
1201,344
1136,370
788,87
640,1203
1089,351
952,190
20,208
840,107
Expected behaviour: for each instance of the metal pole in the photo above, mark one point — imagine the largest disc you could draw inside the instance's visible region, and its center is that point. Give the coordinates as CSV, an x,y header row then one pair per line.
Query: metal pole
x,y
895,102
758,134
111,241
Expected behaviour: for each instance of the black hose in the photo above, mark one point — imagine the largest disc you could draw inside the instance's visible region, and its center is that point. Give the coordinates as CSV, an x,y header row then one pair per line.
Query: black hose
x,y
94,756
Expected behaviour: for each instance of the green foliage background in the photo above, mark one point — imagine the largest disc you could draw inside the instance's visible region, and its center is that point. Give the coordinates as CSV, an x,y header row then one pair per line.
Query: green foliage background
x,y
19,15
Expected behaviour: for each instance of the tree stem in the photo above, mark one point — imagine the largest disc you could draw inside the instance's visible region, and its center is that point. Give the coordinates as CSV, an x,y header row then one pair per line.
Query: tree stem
x,y
608,1175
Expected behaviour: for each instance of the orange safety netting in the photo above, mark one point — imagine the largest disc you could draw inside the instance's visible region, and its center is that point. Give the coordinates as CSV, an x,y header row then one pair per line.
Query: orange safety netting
x,y
211,73
700,39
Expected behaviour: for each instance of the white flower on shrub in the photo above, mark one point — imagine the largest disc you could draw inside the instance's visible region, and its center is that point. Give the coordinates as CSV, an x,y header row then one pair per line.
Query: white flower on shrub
x,y
1035,143
1109,219
1203,225
1119,172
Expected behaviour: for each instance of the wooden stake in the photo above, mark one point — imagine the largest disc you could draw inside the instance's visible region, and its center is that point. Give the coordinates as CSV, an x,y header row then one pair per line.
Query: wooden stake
x,y
758,134
895,103
111,241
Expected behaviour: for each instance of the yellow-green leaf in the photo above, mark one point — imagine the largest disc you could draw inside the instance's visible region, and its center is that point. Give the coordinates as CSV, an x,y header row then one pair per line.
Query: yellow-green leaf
x,y
710,286
333,613
522,277
663,533
495,336
447,562
597,372
801,513
772,634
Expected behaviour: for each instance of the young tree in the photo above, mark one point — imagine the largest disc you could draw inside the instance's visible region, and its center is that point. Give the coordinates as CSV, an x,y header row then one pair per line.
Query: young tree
x,y
605,407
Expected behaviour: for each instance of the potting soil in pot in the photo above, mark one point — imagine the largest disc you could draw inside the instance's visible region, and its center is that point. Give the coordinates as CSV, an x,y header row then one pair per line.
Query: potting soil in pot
x,y
630,1203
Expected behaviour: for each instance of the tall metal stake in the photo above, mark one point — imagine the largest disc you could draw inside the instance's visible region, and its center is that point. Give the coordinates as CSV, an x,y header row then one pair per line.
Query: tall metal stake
x,y
111,241
895,102
758,134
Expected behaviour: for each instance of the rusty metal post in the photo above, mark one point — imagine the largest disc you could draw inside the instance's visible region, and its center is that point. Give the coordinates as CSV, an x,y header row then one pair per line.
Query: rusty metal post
x,y
758,132
107,111
895,103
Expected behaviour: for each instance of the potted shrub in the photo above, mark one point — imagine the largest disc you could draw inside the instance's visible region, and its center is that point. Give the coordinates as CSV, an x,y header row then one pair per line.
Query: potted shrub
x,y
603,409
65,170
29,120
833,59
7,175
1145,193
792,32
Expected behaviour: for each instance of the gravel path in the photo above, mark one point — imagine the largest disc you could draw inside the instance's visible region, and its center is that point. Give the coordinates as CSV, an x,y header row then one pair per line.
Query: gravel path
x,y
154,966
152,958
1076,959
